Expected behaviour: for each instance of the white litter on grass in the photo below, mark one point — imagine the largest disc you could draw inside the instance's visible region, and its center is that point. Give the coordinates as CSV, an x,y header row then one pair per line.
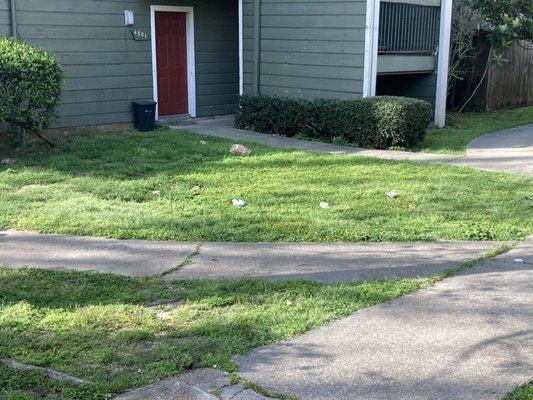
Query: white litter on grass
x,y
519,260
324,204
203,142
156,193
195,190
392,194
238,202
240,150
7,161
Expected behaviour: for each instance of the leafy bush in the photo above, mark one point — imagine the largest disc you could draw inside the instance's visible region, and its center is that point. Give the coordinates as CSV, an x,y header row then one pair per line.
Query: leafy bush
x,y
378,122
31,81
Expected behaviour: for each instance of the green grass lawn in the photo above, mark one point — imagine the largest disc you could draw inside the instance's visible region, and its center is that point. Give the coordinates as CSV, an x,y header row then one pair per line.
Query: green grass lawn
x,y
103,328
524,392
463,128
169,185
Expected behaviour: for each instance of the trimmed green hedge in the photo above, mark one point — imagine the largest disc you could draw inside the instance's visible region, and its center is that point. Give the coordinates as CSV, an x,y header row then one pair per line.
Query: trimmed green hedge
x,y
378,122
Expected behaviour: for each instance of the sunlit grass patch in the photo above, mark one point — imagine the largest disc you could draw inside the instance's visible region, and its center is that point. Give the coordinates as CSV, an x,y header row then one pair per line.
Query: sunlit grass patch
x,y
170,185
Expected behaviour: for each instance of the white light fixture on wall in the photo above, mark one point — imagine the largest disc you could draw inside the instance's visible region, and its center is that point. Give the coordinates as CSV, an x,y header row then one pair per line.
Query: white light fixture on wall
x,y
129,18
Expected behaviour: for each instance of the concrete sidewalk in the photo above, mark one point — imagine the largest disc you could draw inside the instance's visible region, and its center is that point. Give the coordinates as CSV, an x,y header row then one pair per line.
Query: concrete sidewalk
x,y
508,151
330,263
468,337
123,257
339,262
222,127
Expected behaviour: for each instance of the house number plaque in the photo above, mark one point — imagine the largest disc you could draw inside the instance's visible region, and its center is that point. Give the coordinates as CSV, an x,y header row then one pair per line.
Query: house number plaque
x,y
140,34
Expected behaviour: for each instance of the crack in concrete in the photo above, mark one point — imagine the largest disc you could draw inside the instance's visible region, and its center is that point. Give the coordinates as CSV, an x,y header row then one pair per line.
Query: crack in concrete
x,y
186,261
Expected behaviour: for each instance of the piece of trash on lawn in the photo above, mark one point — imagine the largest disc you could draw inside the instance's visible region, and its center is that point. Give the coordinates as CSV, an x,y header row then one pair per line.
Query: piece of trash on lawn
x,y
240,150
324,204
7,161
156,193
392,194
203,142
519,260
195,190
238,202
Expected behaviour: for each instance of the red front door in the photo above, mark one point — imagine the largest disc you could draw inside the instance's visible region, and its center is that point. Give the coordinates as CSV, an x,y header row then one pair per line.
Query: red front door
x,y
171,48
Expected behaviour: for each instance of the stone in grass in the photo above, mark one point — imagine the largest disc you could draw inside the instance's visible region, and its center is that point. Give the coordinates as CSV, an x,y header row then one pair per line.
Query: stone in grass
x,y
229,392
392,194
206,379
7,161
170,389
240,150
249,394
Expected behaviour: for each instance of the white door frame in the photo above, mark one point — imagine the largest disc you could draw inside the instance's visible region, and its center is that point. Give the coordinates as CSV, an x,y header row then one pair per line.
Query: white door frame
x,y
443,62
191,66
371,48
241,48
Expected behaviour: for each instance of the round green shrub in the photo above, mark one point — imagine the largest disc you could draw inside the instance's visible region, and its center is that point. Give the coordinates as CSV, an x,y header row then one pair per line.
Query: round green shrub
x,y
31,82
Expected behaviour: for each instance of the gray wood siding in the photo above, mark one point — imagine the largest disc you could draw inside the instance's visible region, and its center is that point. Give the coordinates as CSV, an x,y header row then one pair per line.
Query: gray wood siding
x,y
106,69
309,48
5,21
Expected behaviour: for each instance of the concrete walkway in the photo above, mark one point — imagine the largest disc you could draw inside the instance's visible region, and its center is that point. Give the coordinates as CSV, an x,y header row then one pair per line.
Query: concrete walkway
x,y
341,262
123,257
330,263
222,127
468,337
510,150
506,151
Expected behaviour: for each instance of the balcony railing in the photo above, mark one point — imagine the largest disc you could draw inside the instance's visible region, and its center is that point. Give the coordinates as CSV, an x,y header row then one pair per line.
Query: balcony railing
x,y
408,29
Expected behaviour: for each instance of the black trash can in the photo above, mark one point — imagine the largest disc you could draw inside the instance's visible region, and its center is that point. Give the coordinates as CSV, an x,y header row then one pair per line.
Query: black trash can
x,y
144,115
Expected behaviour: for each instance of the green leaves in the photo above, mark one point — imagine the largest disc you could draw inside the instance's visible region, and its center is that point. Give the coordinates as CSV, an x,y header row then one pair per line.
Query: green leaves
x,y
379,122
31,82
504,22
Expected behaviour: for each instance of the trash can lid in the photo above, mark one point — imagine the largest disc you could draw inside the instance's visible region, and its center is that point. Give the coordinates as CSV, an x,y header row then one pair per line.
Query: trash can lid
x,y
144,103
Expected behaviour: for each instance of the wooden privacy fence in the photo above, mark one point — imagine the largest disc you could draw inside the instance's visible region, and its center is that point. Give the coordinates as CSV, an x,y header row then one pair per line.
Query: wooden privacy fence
x,y
512,83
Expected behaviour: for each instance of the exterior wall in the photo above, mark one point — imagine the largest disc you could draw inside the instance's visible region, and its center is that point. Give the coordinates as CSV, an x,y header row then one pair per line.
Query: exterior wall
x,y
406,64
106,69
412,75
309,48
5,18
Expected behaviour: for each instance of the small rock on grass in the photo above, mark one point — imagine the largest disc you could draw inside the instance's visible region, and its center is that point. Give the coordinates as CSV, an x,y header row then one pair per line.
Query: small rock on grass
x,y
8,161
240,150
392,194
